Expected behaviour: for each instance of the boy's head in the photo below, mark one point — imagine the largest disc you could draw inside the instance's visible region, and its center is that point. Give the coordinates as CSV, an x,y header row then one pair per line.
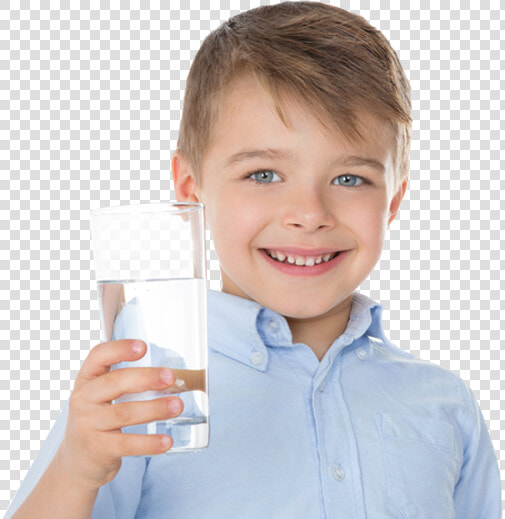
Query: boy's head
x,y
332,60
282,105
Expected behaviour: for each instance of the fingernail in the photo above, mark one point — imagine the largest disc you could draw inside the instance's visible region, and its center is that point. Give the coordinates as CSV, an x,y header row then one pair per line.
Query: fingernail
x,y
137,347
167,376
175,406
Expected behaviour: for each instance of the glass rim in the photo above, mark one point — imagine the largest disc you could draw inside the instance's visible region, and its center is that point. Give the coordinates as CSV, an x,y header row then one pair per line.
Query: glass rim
x,y
147,208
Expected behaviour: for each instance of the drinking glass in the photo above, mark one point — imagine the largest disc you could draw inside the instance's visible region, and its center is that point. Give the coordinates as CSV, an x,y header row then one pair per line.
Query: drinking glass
x,y
151,279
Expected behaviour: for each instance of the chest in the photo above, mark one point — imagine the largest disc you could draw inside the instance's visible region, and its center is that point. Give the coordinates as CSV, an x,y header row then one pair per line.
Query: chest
x,y
280,448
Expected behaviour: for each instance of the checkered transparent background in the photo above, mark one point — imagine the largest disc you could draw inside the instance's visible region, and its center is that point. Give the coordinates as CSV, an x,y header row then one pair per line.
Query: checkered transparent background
x,y
90,102
148,243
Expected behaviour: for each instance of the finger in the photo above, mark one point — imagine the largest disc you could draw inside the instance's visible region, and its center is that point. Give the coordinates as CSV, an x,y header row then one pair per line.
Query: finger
x,y
189,380
127,444
115,416
105,354
112,385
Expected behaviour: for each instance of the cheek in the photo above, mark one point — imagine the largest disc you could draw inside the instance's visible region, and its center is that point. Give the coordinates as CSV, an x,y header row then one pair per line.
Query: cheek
x,y
234,224
369,221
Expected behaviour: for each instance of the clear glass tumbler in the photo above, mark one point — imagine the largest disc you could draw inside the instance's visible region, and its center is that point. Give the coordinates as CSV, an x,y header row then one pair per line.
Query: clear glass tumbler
x,y
150,270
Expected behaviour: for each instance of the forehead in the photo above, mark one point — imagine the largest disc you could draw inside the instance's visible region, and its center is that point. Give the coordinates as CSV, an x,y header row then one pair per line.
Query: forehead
x,y
247,97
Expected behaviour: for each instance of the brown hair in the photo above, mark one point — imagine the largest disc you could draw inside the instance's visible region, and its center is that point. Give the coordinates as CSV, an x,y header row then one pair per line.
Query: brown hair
x,y
332,60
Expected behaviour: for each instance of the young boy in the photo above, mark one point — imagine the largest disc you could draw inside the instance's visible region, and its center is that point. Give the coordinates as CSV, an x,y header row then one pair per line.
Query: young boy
x,y
295,136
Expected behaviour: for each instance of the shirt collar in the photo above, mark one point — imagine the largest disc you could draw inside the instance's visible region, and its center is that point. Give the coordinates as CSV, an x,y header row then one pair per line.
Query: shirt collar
x,y
244,330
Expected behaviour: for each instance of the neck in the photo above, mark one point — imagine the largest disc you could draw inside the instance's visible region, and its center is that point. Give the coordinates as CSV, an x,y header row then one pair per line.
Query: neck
x,y
320,332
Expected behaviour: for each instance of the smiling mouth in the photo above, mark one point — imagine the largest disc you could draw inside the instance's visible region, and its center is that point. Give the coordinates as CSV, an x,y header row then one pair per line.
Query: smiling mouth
x,y
304,262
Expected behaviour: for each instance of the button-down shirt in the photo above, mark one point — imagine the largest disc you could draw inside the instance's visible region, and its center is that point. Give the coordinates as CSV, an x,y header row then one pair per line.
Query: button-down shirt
x,y
367,432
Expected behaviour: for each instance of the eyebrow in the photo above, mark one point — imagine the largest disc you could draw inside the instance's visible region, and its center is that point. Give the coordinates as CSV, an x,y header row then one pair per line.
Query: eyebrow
x,y
281,154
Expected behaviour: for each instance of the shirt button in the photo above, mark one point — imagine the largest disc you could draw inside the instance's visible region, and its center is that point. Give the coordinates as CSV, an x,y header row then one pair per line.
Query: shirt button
x,y
321,387
273,325
256,358
338,472
361,353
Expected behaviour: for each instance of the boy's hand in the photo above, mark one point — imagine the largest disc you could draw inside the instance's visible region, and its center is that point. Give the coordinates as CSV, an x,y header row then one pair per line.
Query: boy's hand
x,y
91,450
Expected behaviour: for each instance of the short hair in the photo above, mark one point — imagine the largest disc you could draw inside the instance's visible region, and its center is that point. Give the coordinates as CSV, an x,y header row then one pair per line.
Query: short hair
x,y
330,59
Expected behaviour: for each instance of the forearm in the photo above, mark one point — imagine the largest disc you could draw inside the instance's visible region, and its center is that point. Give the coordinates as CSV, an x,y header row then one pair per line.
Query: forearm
x,y
56,497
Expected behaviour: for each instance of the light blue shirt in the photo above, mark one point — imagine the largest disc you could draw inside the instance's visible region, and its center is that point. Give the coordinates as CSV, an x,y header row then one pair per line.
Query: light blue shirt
x,y
368,432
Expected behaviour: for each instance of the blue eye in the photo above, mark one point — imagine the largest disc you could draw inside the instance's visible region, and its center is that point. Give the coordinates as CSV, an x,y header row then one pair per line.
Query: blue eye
x,y
347,176
264,173
265,176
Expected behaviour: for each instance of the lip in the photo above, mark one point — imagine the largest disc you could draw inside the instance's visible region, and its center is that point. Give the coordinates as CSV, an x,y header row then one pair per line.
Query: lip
x,y
294,270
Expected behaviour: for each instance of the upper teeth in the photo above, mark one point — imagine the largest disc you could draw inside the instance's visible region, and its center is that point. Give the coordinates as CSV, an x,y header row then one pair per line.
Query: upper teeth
x,y
308,261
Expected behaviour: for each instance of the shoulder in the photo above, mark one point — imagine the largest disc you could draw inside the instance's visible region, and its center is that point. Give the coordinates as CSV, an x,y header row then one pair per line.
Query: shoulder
x,y
387,352
423,378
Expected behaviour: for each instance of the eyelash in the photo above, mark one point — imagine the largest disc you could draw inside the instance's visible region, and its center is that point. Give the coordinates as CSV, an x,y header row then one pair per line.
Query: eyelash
x,y
258,183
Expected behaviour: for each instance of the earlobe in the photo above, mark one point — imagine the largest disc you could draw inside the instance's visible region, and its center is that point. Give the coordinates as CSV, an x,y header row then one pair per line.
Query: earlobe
x,y
186,188
396,201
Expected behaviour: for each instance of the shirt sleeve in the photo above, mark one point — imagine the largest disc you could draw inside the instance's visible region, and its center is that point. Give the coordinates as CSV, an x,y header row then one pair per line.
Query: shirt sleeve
x,y
478,491
118,499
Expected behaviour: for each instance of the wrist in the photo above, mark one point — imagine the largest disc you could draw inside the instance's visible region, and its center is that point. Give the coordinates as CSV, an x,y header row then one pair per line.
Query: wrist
x,y
65,473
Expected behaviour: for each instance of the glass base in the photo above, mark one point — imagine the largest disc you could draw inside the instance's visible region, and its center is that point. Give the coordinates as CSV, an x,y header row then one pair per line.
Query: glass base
x,y
190,434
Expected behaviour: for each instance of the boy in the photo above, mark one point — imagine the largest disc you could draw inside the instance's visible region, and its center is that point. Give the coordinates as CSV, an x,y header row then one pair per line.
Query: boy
x,y
295,136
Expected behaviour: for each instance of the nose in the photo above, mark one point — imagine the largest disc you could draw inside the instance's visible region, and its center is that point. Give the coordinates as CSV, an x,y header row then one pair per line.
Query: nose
x,y
308,210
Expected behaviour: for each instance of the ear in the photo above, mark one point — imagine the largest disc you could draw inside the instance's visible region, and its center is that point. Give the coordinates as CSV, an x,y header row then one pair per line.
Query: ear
x,y
396,201
186,188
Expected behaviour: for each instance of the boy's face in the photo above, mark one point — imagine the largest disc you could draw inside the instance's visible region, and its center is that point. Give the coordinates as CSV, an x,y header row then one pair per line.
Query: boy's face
x,y
301,201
